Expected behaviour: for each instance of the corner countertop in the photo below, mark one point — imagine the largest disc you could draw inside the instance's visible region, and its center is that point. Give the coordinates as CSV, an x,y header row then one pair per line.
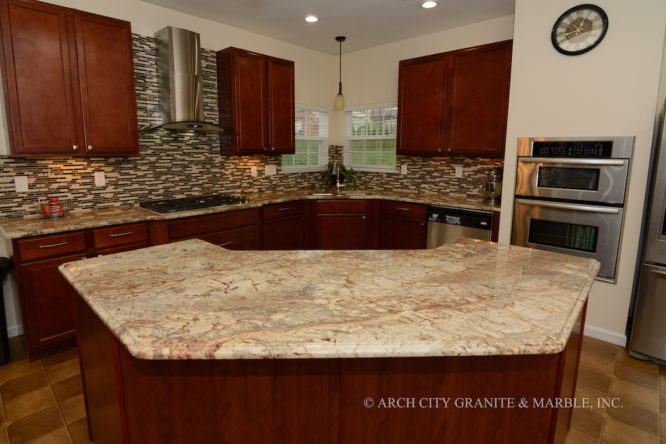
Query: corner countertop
x,y
35,226
194,300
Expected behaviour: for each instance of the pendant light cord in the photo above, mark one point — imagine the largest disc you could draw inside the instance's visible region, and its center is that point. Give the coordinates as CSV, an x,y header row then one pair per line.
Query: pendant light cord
x,y
340,65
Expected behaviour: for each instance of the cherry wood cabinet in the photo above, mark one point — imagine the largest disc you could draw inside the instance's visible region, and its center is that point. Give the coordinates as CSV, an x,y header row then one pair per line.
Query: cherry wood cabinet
x,y
345,225
283,226
69,81
455,103
402,225
47,299
256,103
235,230
421,105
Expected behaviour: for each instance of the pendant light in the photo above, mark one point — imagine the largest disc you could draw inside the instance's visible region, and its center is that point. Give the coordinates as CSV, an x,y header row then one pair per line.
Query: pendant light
x,y
339,103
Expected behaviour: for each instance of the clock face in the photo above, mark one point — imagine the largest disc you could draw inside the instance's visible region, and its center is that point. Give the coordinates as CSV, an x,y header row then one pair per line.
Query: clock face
x,y
579,29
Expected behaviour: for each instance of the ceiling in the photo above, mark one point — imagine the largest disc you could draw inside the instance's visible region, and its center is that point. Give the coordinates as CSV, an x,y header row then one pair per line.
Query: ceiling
x,y
365,23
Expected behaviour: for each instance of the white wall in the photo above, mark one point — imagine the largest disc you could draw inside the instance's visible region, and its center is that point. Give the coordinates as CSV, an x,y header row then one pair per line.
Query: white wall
x,y
370,76
611,90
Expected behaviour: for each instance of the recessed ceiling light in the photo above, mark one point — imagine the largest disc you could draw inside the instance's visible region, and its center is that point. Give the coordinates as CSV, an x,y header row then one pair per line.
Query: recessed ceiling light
x,y
311,18
428,4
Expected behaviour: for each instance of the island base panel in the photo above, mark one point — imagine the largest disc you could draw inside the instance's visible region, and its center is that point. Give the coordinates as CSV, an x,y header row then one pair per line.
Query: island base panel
x,y
318,400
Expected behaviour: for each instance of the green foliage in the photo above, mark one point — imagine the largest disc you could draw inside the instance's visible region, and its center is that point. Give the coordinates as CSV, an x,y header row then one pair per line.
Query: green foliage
x,y
346,175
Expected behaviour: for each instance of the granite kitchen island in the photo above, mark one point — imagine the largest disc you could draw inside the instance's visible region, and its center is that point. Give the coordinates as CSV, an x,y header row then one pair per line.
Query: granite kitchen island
x,y
189,342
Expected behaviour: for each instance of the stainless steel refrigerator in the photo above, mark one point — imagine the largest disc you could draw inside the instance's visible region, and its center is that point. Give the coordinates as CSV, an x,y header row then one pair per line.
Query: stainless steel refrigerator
x,y
648,332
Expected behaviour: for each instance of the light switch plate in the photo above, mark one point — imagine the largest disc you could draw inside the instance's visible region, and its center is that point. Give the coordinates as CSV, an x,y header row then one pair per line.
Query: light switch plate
x,y
403,169
459,171
100,179
270,170
253,171
21,184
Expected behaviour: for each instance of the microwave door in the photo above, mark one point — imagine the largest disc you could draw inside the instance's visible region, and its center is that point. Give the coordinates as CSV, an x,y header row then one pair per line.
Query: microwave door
x,y
582,230
594,180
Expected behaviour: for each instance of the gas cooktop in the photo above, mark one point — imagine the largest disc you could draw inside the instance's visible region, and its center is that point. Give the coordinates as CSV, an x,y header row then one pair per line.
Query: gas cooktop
x,y
192,203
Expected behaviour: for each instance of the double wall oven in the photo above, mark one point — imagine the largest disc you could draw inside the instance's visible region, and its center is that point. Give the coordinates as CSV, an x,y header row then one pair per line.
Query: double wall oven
x,y
570,195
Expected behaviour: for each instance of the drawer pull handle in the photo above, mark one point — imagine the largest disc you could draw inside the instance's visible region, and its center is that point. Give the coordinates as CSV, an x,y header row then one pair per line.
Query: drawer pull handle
x,y
402,208
226,243
363,217
121,234
54,245
284,209
483,224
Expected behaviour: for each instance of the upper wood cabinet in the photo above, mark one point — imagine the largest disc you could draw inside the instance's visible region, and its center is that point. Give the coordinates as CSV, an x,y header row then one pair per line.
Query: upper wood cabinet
x,y
256,102
455,103
69,81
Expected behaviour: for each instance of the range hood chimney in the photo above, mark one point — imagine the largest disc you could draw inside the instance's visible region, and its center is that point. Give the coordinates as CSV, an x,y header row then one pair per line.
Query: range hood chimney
x,y
179,77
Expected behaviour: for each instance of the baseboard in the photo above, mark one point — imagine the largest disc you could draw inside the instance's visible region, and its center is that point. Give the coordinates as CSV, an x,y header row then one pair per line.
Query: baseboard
x,y
15,330
605,335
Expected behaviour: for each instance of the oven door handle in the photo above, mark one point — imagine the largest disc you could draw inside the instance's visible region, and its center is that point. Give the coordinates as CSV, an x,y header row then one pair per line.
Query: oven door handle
x,y
598,162
568,206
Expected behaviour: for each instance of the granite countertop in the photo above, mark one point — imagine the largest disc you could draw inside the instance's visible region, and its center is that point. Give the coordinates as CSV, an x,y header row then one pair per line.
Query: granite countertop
x,y
194,300
34,226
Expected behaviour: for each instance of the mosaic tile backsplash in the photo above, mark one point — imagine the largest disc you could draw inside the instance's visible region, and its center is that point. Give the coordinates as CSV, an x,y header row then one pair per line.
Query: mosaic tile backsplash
x,y
187,164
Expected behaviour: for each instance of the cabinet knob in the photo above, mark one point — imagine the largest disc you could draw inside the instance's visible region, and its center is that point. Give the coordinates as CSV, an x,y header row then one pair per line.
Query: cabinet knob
x,y
439,150
449,150
422,224
75,147
272,148
90,147
363,217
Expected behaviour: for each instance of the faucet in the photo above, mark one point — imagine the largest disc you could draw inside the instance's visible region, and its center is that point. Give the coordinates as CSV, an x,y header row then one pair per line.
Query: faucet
x,y
336,169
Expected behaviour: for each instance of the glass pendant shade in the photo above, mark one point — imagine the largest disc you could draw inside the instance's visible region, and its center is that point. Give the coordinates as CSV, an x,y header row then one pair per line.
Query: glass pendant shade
x,y
339,103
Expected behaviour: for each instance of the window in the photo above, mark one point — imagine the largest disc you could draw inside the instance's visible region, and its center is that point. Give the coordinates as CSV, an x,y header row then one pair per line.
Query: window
x,y
311,141
370,137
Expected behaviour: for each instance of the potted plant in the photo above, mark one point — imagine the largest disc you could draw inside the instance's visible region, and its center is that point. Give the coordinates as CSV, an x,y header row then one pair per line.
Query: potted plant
x,y
347,176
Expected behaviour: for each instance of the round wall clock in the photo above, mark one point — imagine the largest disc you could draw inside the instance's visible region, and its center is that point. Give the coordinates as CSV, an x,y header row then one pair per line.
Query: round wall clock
x,y
579,29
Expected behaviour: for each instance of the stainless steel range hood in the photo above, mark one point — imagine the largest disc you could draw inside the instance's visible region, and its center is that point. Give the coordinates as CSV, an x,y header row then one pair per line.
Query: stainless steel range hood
x,y
179,78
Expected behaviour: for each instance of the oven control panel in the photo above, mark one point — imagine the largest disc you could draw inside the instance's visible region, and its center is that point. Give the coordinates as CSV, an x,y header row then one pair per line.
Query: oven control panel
x,y
588,149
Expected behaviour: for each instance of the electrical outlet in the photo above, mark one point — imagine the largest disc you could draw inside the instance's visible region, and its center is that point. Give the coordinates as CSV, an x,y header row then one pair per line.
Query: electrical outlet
x,y
253,171
21,184
270,170
403,169
100,179
459,171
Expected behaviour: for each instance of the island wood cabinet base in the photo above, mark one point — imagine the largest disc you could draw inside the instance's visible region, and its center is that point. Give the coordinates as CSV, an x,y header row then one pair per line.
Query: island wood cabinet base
x,y
319,400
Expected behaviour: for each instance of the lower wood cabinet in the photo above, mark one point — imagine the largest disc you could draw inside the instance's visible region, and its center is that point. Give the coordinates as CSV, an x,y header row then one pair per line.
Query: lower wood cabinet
x,y
235,230
345,225
283,226
402,226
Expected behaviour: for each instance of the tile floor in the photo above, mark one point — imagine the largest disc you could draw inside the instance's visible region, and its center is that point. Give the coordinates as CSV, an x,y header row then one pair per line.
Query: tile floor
x,y
42,401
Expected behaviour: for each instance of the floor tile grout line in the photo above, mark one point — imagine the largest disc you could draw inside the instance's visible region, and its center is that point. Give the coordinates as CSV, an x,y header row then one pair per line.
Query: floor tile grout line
x,y
55,400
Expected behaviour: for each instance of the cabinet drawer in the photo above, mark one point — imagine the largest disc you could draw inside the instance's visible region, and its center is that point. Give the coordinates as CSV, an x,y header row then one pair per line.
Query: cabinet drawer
x,y
419,211
244,238
342,206
50,246
193,226
121,235
283,209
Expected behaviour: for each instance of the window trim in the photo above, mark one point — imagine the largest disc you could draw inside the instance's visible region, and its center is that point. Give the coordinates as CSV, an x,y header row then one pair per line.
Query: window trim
x,y
322,150
390,169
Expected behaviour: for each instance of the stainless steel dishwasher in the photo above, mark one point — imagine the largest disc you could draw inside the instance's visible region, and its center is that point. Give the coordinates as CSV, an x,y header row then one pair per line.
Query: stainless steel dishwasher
x,y
446,224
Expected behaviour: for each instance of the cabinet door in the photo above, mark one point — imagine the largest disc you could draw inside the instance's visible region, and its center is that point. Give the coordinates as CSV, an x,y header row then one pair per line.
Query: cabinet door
x,y
343,232
106,75
284,233
250,103
421,104
478,97
40,101
281,108
397,233
47,304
